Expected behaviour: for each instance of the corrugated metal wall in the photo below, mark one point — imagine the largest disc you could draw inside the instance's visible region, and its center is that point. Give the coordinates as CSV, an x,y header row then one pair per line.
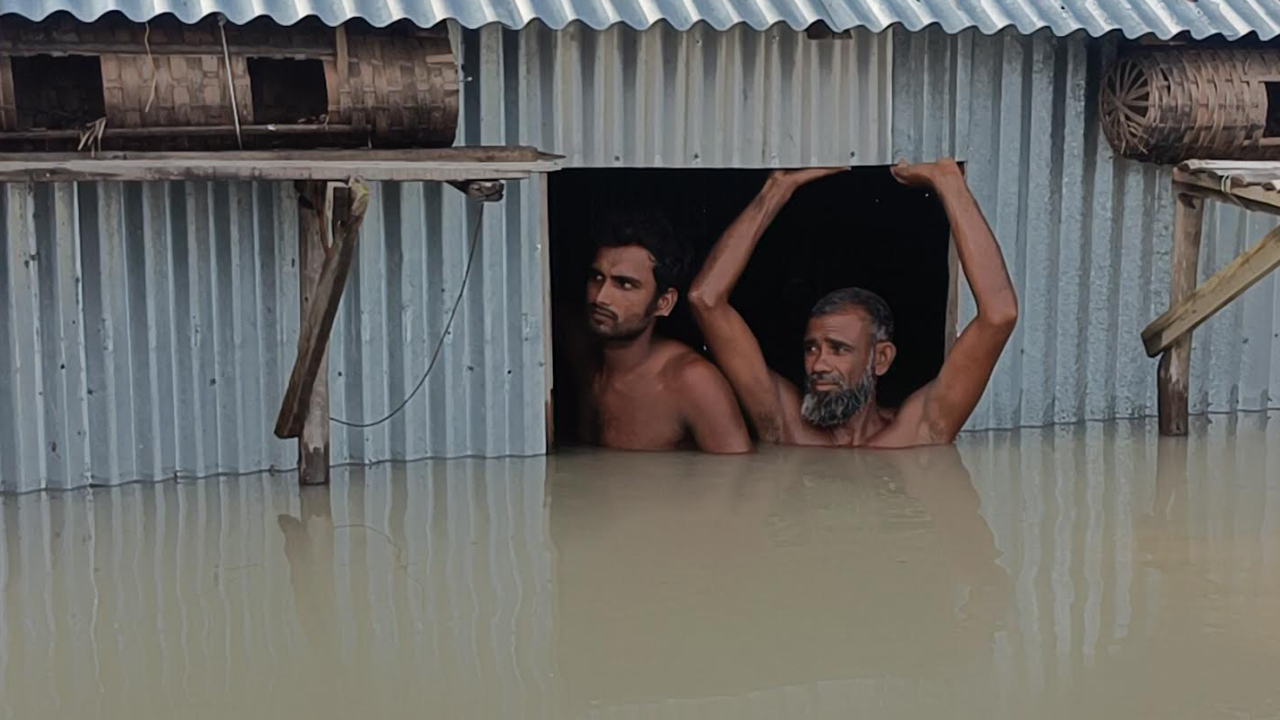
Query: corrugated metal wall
x,y
1086,236
702,98
149,330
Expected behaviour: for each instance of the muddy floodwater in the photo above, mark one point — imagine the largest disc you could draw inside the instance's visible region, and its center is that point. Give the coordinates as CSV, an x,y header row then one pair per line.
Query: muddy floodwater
x,y
1091,572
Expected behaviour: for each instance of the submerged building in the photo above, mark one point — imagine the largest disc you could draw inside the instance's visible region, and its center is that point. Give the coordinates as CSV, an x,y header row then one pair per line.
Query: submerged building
x,y
147,329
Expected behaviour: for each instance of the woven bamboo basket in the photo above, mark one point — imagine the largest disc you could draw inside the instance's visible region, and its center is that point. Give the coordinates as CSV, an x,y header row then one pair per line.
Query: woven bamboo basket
x,y
1167,105
164,85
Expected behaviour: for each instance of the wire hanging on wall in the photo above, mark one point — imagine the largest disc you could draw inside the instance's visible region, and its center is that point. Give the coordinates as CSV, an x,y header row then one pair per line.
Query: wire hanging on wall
x,y
435,354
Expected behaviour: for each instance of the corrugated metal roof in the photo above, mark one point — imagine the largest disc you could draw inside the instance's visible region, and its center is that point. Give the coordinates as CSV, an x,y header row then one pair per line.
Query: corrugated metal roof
x,y
1162,18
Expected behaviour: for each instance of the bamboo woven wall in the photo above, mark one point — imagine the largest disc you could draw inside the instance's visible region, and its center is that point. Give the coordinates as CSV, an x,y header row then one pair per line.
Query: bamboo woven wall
x,y
174,90
361,85
394,84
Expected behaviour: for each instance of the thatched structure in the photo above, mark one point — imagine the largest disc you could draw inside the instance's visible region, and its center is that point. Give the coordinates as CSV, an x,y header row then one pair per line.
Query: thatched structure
x,y
165,85
1172,104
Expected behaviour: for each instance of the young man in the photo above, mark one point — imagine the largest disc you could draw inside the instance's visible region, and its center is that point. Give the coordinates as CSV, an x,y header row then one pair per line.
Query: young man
x,y
849,339
641,391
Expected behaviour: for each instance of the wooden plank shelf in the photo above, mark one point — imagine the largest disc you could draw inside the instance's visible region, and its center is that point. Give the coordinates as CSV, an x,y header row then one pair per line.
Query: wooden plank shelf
x,y
431,165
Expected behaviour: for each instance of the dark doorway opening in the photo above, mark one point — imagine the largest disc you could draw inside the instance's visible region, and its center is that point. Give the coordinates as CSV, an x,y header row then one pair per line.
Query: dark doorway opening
x,y
859,228
1272,128
286,90
57,93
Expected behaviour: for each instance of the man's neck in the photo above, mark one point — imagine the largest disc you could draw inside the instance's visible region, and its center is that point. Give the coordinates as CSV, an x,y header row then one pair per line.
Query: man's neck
x,y
860,428
623,356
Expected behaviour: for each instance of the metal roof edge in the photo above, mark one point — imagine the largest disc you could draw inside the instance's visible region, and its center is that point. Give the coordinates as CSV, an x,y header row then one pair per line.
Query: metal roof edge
x,y
380,13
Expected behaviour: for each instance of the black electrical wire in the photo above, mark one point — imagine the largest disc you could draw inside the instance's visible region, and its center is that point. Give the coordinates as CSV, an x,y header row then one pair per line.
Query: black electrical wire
x,y
435,355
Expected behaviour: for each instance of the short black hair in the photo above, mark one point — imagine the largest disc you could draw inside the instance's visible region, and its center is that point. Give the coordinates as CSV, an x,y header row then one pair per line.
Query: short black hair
x,y
651,231
852,297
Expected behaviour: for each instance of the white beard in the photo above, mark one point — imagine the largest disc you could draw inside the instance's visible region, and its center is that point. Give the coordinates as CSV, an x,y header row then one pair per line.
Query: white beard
x,y
834,407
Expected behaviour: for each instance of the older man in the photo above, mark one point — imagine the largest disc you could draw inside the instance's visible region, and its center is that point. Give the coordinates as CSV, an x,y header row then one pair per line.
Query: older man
x,y
848,342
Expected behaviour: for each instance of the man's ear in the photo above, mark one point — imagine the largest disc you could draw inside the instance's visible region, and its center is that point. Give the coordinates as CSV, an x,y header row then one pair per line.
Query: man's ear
x,y
666,302
885,351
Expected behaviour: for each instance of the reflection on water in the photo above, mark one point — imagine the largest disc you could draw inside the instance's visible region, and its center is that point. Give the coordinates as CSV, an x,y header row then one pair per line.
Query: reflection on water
x,y
1075,572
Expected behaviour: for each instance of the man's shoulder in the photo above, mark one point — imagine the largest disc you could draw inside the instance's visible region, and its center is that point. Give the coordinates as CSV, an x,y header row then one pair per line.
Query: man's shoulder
x,y
683,365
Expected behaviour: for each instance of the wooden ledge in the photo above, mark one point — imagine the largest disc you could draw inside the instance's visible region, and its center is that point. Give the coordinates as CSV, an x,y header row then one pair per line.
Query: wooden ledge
x,y
429,165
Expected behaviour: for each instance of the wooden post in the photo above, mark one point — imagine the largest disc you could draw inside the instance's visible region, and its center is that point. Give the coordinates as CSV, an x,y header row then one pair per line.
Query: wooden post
x,y
313,443
548,350
313,339
1175,364
8,106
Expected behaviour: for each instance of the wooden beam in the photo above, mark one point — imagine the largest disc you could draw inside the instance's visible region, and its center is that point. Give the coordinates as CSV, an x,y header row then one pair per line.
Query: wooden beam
x,y
1249,197
472,154
481,190
313,340
313,442
127,47
1225,286
219,169
440,165
1175,364
8,106
171,131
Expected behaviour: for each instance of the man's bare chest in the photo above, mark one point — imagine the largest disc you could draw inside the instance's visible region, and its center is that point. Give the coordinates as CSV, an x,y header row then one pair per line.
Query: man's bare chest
x,y
890,433
630,418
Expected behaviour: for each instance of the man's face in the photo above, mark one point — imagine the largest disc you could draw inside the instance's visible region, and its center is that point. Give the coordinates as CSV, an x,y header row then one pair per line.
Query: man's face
x,y
622,295
841,361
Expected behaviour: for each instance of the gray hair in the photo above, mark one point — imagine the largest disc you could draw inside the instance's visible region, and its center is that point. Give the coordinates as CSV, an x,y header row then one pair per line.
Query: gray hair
x,y
848,298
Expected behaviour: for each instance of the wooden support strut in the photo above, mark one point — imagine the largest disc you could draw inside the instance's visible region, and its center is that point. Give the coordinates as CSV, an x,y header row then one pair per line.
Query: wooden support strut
x,y
1226,285
313,337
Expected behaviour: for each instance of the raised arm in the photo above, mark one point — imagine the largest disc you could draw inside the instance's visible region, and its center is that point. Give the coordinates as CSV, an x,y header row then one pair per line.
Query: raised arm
x,y
731,341
946,403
